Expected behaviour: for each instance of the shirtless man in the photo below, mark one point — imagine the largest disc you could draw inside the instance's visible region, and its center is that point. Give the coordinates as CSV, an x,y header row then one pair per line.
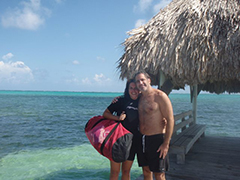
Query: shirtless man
x,y
153,107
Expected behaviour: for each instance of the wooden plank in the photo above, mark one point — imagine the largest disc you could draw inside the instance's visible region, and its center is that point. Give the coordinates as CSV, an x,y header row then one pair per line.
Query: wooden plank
x,y
176,150
190,143
207,161
185,141
182,124
182,115
193,132
210,158
188,133
179,139
189,138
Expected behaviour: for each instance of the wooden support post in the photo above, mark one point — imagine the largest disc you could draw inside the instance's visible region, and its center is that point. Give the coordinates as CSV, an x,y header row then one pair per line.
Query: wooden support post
x,y
180,158
161,79
194,103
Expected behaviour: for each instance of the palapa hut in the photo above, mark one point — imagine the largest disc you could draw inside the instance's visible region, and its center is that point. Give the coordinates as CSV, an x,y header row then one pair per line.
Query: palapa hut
x,y
190,42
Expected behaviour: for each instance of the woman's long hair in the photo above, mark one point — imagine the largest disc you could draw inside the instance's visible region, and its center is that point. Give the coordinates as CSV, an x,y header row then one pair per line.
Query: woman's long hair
x,y
126,92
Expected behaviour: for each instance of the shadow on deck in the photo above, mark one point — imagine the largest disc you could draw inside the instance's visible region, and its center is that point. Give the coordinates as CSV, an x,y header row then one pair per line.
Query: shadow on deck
x,y
210,158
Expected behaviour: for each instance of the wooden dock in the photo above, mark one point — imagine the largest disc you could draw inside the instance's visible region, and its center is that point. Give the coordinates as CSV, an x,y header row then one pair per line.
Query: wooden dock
x,y
211,158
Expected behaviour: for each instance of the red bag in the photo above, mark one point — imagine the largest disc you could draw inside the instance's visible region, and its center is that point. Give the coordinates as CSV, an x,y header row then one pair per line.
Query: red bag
x,y
109,138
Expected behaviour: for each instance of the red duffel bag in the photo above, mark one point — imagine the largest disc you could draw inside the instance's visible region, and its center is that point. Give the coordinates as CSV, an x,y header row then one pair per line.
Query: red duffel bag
x,y
109,138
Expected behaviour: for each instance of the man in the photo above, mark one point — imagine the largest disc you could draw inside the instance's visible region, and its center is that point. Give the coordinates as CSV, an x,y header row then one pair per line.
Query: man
x,y
154,106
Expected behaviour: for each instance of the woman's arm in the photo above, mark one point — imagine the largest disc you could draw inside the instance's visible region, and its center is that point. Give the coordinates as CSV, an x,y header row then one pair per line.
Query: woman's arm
x,y
107,114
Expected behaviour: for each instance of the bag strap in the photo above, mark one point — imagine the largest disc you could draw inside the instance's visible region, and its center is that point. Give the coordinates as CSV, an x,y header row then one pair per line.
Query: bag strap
x,y
108,136
100,120
95,123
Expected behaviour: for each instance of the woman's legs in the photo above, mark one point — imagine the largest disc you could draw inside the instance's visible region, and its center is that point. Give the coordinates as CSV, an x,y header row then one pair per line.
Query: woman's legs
x,y
126,167
147,173
115,170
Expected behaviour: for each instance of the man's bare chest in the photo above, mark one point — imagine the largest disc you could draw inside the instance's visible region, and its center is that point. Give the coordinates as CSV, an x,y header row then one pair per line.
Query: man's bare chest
x,y
148,106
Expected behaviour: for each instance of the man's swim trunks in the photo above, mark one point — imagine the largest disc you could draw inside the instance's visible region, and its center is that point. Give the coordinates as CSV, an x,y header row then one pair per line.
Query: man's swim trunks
x,y
148,155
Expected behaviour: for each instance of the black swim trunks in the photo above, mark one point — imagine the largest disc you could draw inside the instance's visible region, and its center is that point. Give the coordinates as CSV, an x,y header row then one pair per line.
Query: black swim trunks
x,y
147,153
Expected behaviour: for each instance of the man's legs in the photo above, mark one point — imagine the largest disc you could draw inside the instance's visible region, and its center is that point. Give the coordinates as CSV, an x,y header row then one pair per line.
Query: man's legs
x,y
159,176
147,173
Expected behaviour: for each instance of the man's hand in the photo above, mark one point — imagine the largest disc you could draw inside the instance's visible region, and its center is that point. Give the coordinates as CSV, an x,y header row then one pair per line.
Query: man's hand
x,y
163,149
115,99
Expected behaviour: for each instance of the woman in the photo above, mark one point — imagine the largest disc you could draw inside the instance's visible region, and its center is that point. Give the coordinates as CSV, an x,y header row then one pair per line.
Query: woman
x,y
126,110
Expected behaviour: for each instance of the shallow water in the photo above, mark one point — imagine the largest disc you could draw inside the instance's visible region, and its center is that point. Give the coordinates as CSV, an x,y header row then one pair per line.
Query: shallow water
x,y
42,133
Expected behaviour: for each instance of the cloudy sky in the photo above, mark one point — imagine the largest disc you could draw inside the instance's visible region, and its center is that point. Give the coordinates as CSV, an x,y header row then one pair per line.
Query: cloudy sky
x,y
67,45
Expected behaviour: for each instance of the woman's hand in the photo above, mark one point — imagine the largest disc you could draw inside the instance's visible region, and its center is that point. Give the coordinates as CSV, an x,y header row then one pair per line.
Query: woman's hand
x,y
164,122
122,116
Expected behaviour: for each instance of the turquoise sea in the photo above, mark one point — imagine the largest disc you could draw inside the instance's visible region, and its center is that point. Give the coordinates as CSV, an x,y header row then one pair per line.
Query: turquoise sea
x,y
42,133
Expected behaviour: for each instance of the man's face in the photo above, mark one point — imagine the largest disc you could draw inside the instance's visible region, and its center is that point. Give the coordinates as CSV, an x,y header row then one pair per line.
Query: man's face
x,y
142,82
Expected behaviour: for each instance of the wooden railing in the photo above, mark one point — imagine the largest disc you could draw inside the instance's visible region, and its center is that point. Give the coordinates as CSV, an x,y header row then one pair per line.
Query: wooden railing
x,y
182,121
186,132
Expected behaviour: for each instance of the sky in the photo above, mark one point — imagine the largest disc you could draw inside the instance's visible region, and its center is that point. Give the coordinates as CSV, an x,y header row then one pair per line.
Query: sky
x,y
67,45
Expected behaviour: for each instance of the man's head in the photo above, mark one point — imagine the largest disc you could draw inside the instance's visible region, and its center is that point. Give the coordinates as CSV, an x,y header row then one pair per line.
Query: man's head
x,y
142,80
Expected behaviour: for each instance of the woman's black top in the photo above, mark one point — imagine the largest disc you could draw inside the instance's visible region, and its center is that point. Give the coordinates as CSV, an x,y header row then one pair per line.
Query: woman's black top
x,y
130,107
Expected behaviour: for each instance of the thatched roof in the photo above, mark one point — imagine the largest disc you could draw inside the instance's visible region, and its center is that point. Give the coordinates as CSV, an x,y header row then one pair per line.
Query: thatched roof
x,y
192,42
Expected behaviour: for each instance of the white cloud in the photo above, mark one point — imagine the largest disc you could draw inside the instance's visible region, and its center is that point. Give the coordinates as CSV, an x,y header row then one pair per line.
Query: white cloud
x,y
7,56
74,80
75,62
71,78
31,16
140,22
162,4
143,5
100,78
15,73
100,59
86,81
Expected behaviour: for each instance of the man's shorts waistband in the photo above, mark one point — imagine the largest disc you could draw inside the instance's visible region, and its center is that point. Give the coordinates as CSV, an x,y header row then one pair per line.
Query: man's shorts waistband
x,y
152,136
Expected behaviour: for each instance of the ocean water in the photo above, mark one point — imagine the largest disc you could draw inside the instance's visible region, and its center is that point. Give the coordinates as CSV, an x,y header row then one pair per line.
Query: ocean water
x,y
42,133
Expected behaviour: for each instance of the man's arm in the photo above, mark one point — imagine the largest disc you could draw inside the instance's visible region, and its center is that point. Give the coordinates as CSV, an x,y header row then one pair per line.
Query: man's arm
x,y
167,112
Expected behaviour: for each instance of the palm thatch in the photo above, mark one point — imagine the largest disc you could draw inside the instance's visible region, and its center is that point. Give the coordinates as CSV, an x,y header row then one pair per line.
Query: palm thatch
x,y
192,42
